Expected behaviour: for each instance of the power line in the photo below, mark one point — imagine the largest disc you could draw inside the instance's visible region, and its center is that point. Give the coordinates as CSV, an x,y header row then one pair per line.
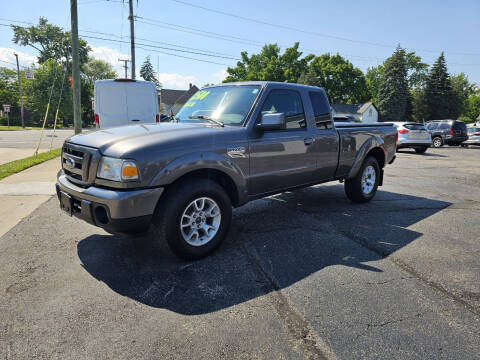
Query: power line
x,y
291,28
157,42
200,32
185,57
255,43
138,38
164,48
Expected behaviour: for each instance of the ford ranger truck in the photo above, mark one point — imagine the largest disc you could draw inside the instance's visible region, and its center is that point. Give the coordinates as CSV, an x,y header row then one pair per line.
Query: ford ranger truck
x,y
228,145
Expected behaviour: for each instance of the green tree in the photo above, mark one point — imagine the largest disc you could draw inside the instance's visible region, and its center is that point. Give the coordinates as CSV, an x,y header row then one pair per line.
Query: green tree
x,y
393,91
147,73
374,78
50,41
270,65
95,70
438,90
37,93
309,78
472,109
419,105
461,89
9,90
342,82
416,70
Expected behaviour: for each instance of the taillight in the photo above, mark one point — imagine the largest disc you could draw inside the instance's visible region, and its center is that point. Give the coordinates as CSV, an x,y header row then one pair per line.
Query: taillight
x,y
157,118
402,131
451,132
476,134
97,121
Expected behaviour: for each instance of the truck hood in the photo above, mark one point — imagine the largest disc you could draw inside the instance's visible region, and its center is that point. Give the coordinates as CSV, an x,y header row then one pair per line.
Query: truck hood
x,y
125,141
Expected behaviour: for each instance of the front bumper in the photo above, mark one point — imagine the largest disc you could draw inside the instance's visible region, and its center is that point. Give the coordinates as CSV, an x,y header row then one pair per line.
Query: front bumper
x,y
113,210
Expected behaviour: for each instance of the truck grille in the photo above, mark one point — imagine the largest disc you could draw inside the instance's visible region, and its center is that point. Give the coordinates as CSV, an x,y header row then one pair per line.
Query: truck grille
x,y
77,161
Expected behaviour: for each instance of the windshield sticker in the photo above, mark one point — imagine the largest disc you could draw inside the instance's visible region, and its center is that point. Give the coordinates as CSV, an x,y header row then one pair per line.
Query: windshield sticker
x,y
200,95
254,91
190,104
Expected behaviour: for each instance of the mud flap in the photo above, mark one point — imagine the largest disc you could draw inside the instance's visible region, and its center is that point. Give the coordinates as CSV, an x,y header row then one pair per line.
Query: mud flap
x,y
380,181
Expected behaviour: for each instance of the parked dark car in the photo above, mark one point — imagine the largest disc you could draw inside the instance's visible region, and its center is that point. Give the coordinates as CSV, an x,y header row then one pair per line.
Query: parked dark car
x,y
447,132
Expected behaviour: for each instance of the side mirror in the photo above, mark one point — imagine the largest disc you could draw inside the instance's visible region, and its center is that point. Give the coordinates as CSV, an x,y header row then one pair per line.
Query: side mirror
x,y
272,121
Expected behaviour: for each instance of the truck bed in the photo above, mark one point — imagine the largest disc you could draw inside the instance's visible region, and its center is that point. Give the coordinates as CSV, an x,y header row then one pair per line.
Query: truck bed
x,y
354,137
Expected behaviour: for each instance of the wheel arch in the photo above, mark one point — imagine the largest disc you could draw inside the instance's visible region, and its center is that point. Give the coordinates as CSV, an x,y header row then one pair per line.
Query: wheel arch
x,y
372,147
218,176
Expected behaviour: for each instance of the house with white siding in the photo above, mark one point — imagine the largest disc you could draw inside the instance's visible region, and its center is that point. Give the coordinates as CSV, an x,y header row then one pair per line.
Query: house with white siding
x,y
365,113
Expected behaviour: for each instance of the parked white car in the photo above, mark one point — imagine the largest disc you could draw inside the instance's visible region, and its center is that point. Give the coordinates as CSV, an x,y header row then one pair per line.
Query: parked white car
x,y
120,102
413,135
473,133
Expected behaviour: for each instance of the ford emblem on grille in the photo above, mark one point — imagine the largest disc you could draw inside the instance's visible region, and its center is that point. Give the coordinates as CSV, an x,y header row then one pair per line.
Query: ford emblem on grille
x,y
69,163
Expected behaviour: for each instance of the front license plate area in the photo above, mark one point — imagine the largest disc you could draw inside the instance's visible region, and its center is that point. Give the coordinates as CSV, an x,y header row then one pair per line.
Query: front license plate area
x,y
66,203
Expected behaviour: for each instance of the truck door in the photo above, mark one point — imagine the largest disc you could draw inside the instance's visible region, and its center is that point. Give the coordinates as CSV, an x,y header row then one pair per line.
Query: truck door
x,y
281,159
326,145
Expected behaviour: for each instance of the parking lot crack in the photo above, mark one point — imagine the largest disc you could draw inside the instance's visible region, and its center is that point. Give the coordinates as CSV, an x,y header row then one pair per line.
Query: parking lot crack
x,y
298,327
410,270
393,321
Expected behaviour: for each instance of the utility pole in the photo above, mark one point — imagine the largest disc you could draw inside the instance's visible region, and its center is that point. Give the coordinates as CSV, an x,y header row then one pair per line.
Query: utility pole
x,y
132,37
77,120
20,90
125,66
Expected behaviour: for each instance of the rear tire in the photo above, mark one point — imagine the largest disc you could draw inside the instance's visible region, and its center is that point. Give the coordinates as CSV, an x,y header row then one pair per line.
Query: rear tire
x,y
421,150
363,187
437,142
193,217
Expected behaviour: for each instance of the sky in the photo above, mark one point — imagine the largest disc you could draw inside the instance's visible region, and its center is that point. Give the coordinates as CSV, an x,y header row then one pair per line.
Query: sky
x,y
365,32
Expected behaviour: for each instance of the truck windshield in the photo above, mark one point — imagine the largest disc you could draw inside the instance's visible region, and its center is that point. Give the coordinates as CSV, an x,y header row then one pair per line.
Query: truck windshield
x,y
227,104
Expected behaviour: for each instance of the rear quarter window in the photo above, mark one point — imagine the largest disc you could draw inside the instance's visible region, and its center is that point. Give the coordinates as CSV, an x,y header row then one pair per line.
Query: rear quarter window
x,y
414,127
321,110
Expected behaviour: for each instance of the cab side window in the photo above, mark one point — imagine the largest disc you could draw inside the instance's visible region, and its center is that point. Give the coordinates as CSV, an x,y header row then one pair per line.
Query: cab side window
x,y
321,110
432,126
288,102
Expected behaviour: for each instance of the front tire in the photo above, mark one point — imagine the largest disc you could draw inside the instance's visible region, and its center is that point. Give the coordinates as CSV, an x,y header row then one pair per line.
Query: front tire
x,y
421,150
193,217
363,187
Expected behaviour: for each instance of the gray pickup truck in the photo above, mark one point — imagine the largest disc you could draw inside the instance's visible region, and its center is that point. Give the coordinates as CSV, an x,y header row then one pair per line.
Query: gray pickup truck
x,y
229,144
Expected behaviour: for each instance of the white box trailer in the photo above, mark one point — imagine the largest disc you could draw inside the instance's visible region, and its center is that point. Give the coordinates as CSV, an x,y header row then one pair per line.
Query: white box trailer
x,y
120,102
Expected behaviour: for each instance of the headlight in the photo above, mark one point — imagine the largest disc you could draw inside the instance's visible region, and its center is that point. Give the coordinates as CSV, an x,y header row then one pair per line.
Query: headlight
x,y
117,169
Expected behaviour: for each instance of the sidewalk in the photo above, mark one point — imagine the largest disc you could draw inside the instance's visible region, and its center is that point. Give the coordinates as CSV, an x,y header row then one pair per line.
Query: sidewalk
x,y
22,193
11,154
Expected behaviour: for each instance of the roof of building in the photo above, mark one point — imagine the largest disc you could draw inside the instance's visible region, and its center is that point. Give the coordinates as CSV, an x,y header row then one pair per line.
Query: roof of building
x,y
183,99
169,96
352,108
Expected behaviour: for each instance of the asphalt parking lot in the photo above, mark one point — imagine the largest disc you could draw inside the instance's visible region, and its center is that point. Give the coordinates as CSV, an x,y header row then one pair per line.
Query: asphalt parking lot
x,y
302,275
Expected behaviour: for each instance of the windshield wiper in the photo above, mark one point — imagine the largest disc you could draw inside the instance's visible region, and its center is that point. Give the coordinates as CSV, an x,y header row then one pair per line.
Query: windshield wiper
x,y
203,117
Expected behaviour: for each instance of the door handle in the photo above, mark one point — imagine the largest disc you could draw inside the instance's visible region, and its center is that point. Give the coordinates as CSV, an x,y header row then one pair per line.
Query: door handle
x,y
135,120
309,141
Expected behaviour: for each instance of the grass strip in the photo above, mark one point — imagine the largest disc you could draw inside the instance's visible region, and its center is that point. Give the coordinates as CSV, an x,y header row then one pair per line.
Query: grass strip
x,y
13,128
16,166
